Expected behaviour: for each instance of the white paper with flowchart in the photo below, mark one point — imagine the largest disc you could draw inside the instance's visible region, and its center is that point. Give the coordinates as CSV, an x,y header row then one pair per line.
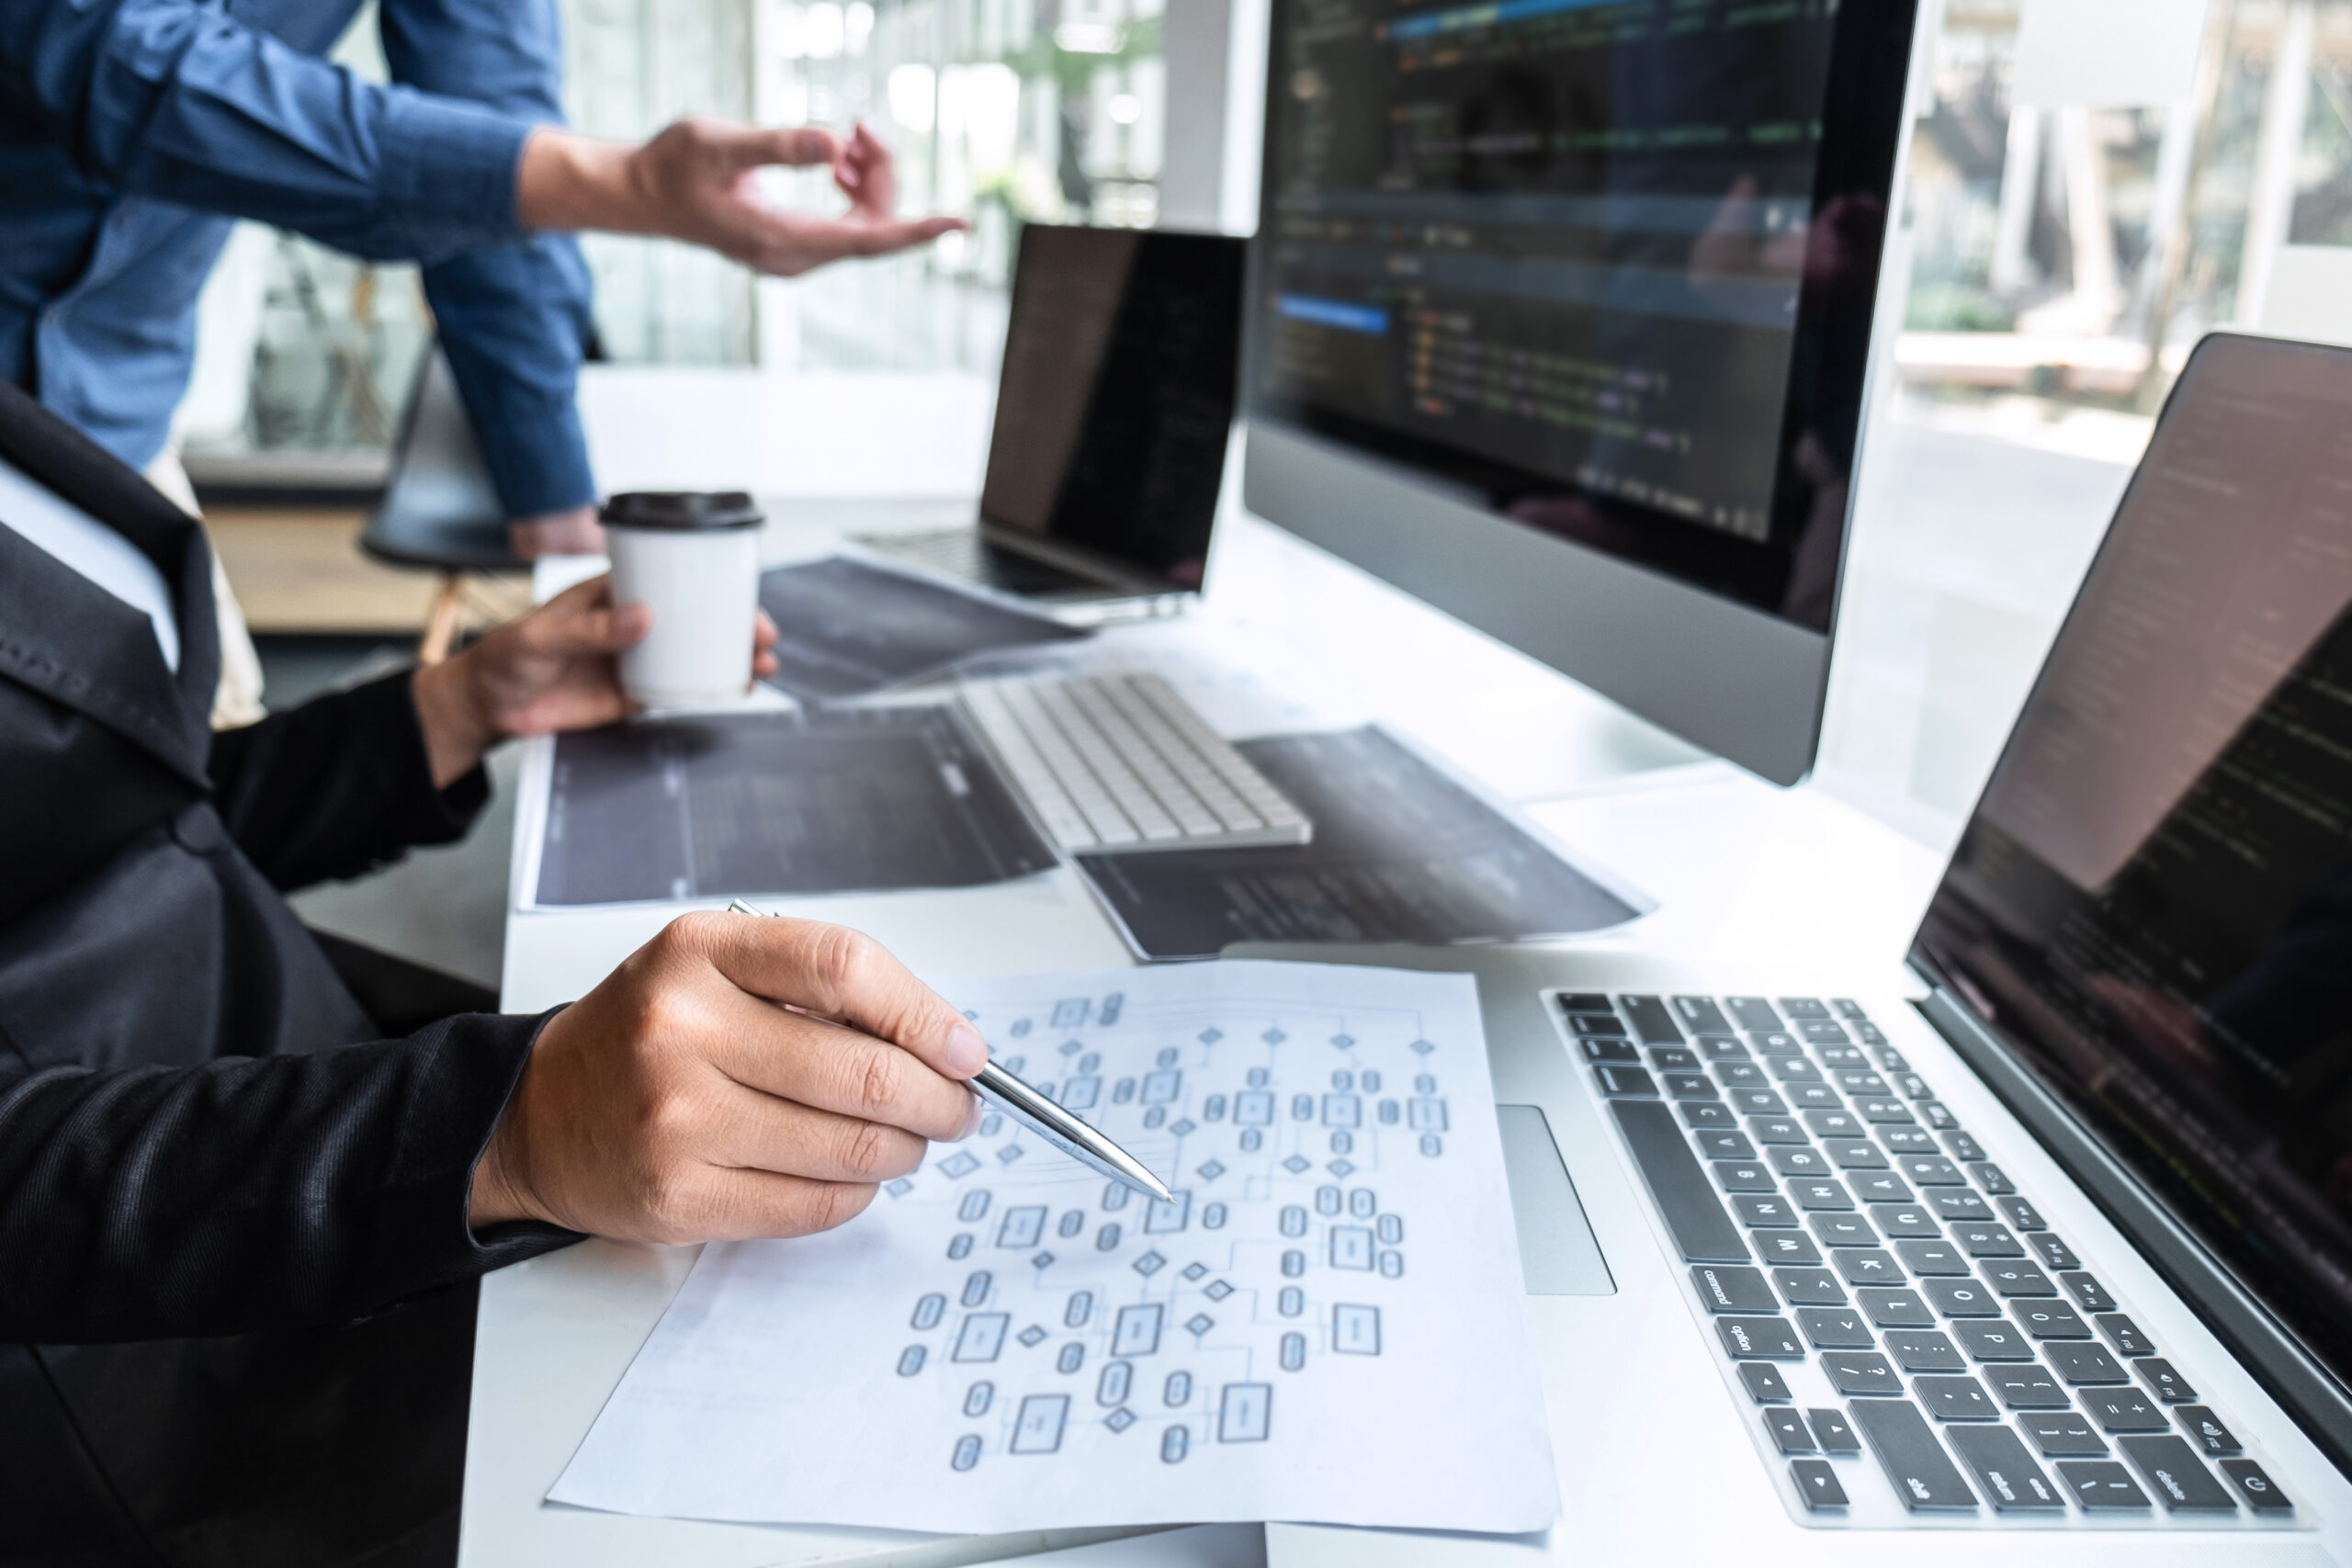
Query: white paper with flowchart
x,y
1325,1324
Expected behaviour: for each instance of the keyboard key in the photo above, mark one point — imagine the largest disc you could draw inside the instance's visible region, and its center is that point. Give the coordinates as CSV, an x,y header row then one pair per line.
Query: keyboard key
x,y
1905,1447
1955,1399
1740,1075
1794,1069
1700,1015
1842,1230
2053,1253
1817,1480
2207,1433
2124,1410
2052,1320
1651,1020
1689,1086
1756,1210
2021,1215
1895,1309
1963,1148
1755,1101
1987,1241
2124,1334
1773,1043
1589,1023
1721,1048
1618,1082
1848,1007
2171,1468
1764,1384
2027,1387
2102,1486
1866,1266
1993,1341
2004,1473
2086,1364
2088,1293
1806,1161
1860,1374
1855,1153
1931,1257
1880,1187
1831,1431
1896,1219
1939,1117
1835,1328
1609,1051
1793,1248
1836,1058
1827,1192
1758,1339
1822,1031
1705,1113
2262,1493
1932,1170
1725,1145
1677,1059
2170,1387
1961,1298
1956,1205
1743,1176
1583,1001
1888,1057
2058,1433
1907,1140
2014,1279
1913,1087
1752,1012
1733,1290
1834,1123
1779,1130
1991,1179
1812,1096
1882,1111
1862,1080
1808,1286
1694,1215
1923,1350
1801,1007
1788,1432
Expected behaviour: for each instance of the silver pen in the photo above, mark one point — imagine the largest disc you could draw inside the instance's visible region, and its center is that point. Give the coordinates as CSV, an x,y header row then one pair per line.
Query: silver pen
x,y
1050,1121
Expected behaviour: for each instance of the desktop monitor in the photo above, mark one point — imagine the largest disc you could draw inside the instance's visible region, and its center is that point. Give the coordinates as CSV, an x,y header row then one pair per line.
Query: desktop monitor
x,y
1559,319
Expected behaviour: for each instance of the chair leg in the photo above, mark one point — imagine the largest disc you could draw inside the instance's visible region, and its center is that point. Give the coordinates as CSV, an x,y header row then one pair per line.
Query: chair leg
x,y
441,621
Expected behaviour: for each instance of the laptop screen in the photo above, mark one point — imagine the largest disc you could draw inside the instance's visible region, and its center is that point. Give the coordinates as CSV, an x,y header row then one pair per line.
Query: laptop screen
x,y
2152,904
1121,359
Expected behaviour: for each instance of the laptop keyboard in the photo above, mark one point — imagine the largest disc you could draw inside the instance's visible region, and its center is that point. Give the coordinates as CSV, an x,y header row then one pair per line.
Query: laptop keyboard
x,y
1903,1326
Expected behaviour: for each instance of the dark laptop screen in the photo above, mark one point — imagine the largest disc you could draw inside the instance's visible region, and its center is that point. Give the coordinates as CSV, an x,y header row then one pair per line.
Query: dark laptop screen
x,y
1121,361
2153,905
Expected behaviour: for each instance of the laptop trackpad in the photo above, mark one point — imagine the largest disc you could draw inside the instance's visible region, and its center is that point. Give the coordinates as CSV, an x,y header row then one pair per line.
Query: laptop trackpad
x,y
1555,1246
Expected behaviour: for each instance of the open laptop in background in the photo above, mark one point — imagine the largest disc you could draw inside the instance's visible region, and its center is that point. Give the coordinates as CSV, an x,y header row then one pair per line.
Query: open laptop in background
x,y
1114,407
2051,1232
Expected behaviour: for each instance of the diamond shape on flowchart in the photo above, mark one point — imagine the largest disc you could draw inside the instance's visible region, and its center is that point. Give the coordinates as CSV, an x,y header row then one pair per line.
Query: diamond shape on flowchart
x,y
1043,1261
1343,1040
900,1188
1071,1047
1211,1171
960,1163
1296,1165
1422,1047
1211,1036
1217,1290
1119,1420
1008,1154
1194,1271
1273,1037
1341,1168
1150,1263
1181,1127
1200,1322
1033,1336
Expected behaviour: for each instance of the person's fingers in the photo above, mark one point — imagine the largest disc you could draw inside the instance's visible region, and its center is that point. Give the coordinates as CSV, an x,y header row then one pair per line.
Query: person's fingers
x,y
881,238
592,623
830,1067
842,974
763,632
761,1132
732,1203
799,146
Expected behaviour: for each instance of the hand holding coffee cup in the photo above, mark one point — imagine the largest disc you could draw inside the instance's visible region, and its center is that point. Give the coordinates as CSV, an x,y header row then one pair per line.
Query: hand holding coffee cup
x,y
691,558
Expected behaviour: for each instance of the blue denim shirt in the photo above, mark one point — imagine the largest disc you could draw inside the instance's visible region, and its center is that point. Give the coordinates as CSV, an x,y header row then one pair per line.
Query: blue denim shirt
x,y
131,131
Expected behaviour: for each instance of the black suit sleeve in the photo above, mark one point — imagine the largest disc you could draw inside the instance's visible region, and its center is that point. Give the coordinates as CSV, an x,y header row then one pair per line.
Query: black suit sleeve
x,y
338,786
252,1193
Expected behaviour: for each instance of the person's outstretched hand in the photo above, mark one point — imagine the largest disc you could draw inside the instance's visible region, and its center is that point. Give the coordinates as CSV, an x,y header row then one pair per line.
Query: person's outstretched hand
x,y
697,181
737,1077
551,669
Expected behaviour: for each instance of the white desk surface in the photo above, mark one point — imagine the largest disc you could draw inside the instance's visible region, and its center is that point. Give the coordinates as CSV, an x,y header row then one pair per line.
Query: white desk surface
x,y
1741,871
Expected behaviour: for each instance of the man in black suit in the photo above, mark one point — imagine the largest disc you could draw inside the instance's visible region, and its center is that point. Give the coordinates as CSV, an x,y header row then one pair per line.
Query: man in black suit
x,y
203,1133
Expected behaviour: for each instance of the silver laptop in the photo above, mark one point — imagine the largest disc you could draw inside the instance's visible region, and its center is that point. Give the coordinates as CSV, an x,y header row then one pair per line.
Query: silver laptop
x,y
2050,1234
1112,412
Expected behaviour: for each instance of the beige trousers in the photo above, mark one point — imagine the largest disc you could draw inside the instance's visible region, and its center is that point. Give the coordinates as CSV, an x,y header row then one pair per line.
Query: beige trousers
x,y
236,701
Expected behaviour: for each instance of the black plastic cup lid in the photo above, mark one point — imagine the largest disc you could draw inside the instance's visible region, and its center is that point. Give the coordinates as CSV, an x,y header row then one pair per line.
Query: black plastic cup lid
x,y
681,510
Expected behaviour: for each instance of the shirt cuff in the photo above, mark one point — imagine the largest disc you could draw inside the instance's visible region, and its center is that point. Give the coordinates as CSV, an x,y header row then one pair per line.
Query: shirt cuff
x,y
448,171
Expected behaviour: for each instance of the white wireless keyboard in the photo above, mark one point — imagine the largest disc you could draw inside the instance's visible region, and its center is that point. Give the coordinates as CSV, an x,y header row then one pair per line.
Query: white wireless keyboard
x,y
1121,762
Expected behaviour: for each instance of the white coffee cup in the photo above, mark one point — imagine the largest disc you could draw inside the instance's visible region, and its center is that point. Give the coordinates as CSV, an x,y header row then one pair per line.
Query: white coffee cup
x,y
693,558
